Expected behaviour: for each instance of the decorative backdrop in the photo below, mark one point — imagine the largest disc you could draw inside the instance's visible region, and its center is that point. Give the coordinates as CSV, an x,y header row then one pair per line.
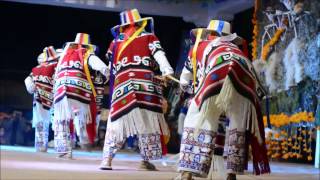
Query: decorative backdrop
x,y
286,54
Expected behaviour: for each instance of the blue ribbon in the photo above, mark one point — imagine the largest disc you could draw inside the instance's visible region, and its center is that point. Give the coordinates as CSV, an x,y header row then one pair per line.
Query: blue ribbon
x,y
112,77
220,27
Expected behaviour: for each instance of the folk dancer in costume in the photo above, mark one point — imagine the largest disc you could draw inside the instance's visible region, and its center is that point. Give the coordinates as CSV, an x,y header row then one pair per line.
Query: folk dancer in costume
x,y
136,107
225,83
99,82
40,84
75,96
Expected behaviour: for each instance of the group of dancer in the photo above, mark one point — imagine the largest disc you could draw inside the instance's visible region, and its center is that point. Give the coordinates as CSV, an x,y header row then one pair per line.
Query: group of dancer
x,y
68,86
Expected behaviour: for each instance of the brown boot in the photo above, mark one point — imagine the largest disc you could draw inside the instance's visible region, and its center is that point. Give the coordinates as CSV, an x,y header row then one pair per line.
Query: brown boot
x,y
185,175
231,176
146,165
106,164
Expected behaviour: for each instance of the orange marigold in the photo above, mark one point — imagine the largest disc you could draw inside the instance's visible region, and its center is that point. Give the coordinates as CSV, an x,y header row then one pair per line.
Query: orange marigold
x,y
272,42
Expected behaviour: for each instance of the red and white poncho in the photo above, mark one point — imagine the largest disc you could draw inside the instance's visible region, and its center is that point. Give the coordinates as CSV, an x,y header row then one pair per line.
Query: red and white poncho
x,y
42,80
136,105
227,84
73,96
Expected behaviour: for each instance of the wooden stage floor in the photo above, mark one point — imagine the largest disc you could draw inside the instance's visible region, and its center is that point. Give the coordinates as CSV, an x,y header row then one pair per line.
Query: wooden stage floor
x,y
23,163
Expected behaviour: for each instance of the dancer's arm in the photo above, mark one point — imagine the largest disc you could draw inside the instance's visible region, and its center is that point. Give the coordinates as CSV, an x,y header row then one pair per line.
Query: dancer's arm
x,y
97,64
30,85
164,65
159,55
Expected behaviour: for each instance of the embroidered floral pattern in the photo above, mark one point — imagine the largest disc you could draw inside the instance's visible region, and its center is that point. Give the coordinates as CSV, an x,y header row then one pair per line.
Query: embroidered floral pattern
x,y
41,136
150,146
196,150
236,151
62,137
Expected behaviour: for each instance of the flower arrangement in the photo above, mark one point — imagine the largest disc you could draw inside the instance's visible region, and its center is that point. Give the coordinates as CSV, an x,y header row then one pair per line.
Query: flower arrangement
x,y
291,136
278,120
254,43
267,47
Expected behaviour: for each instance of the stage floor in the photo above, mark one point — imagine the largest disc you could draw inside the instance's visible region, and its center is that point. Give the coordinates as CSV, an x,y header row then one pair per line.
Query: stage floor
x,y
24,163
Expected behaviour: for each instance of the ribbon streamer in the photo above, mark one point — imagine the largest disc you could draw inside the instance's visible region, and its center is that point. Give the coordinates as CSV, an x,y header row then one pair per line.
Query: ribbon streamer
x,y
131,38
194,57
87,72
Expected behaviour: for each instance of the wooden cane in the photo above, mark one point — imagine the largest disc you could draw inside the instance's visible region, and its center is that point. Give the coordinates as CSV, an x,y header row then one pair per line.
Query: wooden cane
x,y
173,79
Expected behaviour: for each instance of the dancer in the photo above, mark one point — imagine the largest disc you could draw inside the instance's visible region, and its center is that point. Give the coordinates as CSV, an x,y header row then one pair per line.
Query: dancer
x,y
75,96
99,82
136,107
225,84
40,84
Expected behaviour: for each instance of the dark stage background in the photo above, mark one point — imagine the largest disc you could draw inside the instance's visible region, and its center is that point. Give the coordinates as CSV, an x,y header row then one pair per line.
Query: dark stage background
x,y
27,28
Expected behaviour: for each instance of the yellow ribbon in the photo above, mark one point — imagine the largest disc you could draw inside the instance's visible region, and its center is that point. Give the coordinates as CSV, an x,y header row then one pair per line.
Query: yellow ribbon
x,y
131,38
194,57
86,70
44,56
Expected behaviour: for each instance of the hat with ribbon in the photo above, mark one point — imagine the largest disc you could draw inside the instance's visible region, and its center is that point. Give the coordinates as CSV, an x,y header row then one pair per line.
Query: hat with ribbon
x,y
50,54
83,39
130,17
217,27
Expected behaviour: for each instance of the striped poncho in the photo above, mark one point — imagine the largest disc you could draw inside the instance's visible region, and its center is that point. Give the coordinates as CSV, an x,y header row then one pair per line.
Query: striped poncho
x,y
73,93
42,76
136,105
227,81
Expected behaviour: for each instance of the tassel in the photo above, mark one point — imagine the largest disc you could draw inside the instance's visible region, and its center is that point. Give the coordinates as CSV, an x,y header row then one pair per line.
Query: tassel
x,y
245,48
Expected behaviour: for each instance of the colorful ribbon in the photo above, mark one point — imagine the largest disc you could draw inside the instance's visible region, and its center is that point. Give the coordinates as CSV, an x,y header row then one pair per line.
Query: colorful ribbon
x,y
131,38
194,57
87,71
84,58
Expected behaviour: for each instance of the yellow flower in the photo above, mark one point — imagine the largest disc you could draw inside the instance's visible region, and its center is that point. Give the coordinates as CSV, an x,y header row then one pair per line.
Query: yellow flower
x,y
285,156
299,156
291,154
309,158
309,150
255,31
304,145
284,143
278,120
